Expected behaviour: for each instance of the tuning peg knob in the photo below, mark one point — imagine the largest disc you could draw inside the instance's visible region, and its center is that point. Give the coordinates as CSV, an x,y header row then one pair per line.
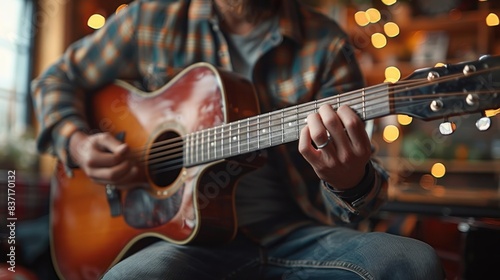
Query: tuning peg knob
x,y
483,124
447,127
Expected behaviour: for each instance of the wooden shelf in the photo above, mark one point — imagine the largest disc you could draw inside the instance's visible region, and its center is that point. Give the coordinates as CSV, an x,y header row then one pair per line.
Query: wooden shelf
x,y
452,166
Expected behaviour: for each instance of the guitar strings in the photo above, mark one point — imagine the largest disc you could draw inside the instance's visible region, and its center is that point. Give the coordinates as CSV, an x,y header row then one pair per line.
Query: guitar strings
x,y
396,89
160,162
268,116
180,143
163,154
173,148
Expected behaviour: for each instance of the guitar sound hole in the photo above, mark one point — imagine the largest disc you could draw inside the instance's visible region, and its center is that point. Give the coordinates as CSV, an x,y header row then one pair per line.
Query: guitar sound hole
x,y
165,159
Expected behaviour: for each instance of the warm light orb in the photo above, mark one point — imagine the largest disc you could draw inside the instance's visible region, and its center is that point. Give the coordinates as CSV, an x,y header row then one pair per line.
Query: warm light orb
x,y
389,2
438,170
392,74
361,18
404,119
391,133
96,21
391,29
492,20
379,40
120,8
373,15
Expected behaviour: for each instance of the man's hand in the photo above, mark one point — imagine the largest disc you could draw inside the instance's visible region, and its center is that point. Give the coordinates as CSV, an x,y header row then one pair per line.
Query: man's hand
x,y
103,158
341,147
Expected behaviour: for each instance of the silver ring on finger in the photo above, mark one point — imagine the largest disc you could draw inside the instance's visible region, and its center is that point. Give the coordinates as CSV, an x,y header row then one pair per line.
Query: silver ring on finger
x,y
326,143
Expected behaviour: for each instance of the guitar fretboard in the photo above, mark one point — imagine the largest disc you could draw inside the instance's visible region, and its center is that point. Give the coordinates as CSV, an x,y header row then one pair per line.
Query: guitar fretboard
x,y
277,127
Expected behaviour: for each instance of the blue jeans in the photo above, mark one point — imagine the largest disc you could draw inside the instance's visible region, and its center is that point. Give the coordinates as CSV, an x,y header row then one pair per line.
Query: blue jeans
x,y
313,252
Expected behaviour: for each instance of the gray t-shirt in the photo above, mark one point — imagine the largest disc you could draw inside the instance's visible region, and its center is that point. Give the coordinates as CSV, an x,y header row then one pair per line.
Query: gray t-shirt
x,y
261,195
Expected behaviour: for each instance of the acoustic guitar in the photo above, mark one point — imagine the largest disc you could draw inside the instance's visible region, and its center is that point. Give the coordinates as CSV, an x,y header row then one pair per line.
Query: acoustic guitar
x,y
202,131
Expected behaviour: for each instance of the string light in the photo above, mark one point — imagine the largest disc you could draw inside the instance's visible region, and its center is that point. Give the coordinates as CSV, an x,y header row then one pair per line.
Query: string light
x,y
392,74
373,15
404,120
96,21
438,170
391,133
120,8
361,18
391,29
389,2
379,40
492,20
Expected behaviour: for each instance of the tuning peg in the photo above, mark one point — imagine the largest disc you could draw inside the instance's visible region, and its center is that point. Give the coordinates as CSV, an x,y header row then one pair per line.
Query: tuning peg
x,y
447,127
484,123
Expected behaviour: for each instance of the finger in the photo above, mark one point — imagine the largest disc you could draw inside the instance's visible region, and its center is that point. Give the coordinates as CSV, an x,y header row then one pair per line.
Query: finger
x,y
106,142
355,129
334,125
111,175
305,147
317,131
106,151
99,158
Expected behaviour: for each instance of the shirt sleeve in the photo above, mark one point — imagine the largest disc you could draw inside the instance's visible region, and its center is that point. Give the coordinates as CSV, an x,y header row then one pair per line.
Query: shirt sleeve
x,y
59,93
344,75
375,196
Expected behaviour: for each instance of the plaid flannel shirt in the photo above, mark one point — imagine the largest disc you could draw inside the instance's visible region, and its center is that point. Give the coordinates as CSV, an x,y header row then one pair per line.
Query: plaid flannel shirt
x,y
308,57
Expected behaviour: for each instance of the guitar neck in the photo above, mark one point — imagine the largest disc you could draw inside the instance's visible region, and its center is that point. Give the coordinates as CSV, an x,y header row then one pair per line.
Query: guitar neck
x,y
277,127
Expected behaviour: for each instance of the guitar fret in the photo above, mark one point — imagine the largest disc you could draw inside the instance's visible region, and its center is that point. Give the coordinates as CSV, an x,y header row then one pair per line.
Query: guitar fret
x,y
208,144
363,103
197,147
186,150
238,138
297,117
248,134
222,141
270,129
215,142
230,139
192,148
282,127
258,133
202,146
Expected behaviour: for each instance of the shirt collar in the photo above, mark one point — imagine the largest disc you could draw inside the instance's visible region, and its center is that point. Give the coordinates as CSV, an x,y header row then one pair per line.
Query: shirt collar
x,y
289,21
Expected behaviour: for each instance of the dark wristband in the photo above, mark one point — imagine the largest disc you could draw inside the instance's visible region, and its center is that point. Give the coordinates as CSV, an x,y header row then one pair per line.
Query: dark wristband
x,y
361,189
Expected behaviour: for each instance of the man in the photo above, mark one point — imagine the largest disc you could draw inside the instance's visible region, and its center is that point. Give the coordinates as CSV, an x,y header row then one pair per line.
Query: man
x,y
286,209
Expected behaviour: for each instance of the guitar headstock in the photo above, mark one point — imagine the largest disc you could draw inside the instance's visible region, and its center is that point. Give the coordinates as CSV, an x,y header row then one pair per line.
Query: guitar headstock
x,y
450,90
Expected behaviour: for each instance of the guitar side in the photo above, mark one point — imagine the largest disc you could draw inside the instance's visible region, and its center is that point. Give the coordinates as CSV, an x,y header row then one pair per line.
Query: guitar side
x,y
86,239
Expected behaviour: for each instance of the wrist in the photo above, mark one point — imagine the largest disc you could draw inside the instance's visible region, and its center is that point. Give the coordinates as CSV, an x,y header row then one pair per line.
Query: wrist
x,y
358,191
74,144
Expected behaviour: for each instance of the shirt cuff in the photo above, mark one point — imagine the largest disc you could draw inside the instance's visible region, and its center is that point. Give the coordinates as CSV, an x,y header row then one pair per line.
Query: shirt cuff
x,y
61,135
356,197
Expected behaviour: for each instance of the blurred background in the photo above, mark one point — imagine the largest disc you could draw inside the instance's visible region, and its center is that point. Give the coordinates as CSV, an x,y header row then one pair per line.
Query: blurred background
x,y
444,190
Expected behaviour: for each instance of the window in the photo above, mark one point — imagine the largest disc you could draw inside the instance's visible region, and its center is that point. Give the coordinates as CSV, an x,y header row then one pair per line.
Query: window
x,y
15,65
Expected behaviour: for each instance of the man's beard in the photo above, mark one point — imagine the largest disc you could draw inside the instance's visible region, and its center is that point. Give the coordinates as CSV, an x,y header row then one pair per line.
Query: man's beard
x,y
253,10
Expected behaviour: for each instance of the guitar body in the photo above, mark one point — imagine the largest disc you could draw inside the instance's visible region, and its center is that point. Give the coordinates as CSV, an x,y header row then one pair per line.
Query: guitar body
x,y
93,226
